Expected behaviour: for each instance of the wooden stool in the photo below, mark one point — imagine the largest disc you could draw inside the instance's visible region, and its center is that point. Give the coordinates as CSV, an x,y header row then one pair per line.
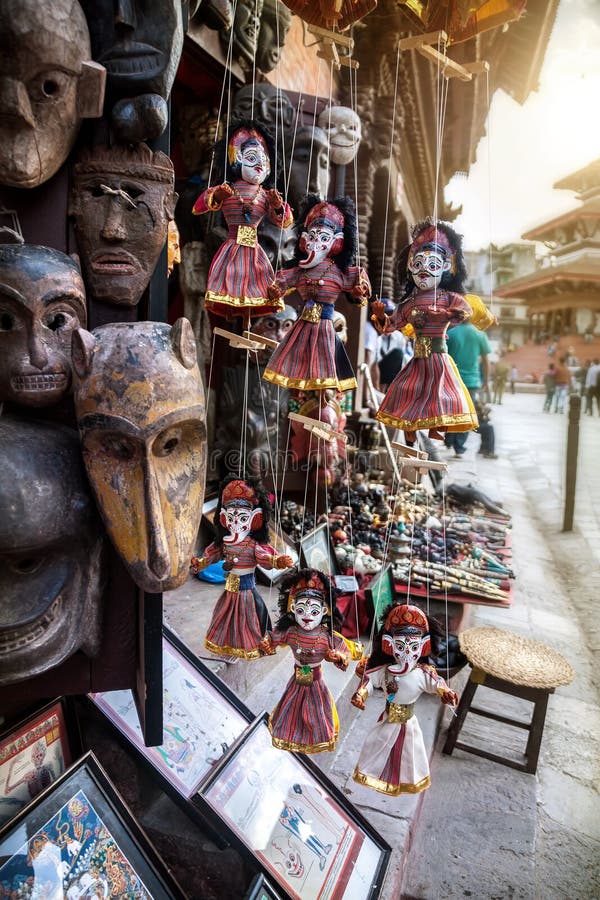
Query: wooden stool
x,y
513,665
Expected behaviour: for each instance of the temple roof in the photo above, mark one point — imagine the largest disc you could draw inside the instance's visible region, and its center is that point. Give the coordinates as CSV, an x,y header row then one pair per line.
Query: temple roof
x,y
585,269
582,180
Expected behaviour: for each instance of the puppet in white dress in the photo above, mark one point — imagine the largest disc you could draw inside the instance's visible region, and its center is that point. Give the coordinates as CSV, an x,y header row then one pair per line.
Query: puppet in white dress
x,y
393,759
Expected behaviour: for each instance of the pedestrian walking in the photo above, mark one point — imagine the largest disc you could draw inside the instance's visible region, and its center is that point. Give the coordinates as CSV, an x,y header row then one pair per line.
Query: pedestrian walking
x,y
513,378
470,349
499,381
563,382
592,388
549,380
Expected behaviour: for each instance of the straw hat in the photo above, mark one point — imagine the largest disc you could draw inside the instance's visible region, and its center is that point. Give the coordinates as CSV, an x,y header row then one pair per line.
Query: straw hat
x,y
514,658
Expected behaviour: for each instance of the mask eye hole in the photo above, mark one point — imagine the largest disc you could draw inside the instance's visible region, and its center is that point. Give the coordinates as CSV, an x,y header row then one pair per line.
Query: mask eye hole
x,y
50,87
167,443
119,447
7,322
27,565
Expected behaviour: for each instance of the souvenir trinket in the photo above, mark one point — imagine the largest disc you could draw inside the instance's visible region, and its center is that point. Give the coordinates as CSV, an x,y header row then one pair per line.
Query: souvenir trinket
x,y
240,618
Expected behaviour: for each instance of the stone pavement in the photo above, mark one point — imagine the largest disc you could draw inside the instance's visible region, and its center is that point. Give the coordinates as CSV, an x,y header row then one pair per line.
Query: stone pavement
x,y
484,830
487,831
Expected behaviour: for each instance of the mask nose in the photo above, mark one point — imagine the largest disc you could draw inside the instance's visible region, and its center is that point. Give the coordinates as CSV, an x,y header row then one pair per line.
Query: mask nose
x,y
113,228
14,101
159,558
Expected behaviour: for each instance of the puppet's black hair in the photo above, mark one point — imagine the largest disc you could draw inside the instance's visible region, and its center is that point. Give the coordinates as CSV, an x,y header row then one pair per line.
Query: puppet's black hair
x,y
348,253
260,534
287,619
233,171
450,281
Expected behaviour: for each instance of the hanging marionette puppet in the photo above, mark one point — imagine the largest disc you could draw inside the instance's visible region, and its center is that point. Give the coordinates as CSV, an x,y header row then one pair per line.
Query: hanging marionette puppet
x,y
393,759
240,618
241,279
305,720
428,392
311,356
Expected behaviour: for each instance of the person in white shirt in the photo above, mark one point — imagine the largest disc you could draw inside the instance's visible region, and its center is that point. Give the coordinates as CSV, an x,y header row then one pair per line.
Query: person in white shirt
x,y
592,388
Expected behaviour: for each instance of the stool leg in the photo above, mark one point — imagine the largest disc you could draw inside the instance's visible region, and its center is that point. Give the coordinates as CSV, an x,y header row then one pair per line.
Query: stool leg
x,y
461,712
536,730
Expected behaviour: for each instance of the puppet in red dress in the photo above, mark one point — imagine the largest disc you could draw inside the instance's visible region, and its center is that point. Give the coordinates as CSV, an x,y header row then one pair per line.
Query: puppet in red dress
x,y
240,618
312,357
241,278
393,759
305,720
429,392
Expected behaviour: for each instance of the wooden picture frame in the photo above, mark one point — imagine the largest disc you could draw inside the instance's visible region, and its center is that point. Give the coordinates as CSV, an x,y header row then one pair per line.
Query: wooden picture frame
x,y
316,551
283,813
202,718
379,593
78,838
34,752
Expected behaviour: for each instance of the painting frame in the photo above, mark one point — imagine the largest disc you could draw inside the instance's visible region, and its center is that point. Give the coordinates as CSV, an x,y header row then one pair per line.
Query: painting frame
x,y
82,813
34,752
207,691
335,855
316,547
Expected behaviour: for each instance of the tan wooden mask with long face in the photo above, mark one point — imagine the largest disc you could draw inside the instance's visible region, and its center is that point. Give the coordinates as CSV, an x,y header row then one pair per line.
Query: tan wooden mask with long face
x,y
140,408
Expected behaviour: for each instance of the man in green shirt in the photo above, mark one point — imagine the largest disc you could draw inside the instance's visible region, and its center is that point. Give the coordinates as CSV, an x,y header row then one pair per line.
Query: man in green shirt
x,y
469,348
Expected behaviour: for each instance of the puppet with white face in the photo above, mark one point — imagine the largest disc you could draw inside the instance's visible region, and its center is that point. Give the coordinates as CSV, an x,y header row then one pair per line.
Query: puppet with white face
x,y
240,618
428,392
305,719
241,278
312,357
393,759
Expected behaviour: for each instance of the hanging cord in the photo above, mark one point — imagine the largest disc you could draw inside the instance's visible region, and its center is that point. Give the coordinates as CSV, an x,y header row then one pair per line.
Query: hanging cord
x,y
306,482
355,161
244,432
447,627
412,537
329,112
440,115
256,18
228,58
312,139
351,534
389,186
489,162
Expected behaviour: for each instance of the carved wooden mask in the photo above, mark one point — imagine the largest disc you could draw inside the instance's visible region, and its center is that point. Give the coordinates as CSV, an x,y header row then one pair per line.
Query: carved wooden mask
x,y
140,407
51,539
122,201
48,83
42,300
139,42
275,23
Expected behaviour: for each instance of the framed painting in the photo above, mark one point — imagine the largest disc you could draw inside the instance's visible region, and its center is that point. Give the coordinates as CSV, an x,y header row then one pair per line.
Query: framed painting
x,y
78,839
33,754
380,593
282,544
284,813
201,719
316,551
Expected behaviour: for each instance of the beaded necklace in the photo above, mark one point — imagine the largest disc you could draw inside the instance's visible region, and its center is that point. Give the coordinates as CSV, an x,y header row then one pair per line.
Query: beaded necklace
x,y
247,204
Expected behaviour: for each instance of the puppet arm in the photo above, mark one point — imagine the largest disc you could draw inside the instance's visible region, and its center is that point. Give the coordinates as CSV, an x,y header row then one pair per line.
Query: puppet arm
x,y
280,213
211,199
435,684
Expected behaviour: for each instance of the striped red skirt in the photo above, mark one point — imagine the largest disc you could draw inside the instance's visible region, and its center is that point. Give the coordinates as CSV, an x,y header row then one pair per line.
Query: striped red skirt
x,y
428,393
238,279
310,359
235,628
305,719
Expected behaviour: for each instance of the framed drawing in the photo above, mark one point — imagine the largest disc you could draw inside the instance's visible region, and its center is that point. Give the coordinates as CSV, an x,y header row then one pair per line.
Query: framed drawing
x,y
78,839
316,551
280,809
33,754
380,593
282,544
201,719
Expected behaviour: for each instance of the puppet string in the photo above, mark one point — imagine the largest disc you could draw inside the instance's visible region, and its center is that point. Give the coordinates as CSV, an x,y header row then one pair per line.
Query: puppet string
x,y
389,186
